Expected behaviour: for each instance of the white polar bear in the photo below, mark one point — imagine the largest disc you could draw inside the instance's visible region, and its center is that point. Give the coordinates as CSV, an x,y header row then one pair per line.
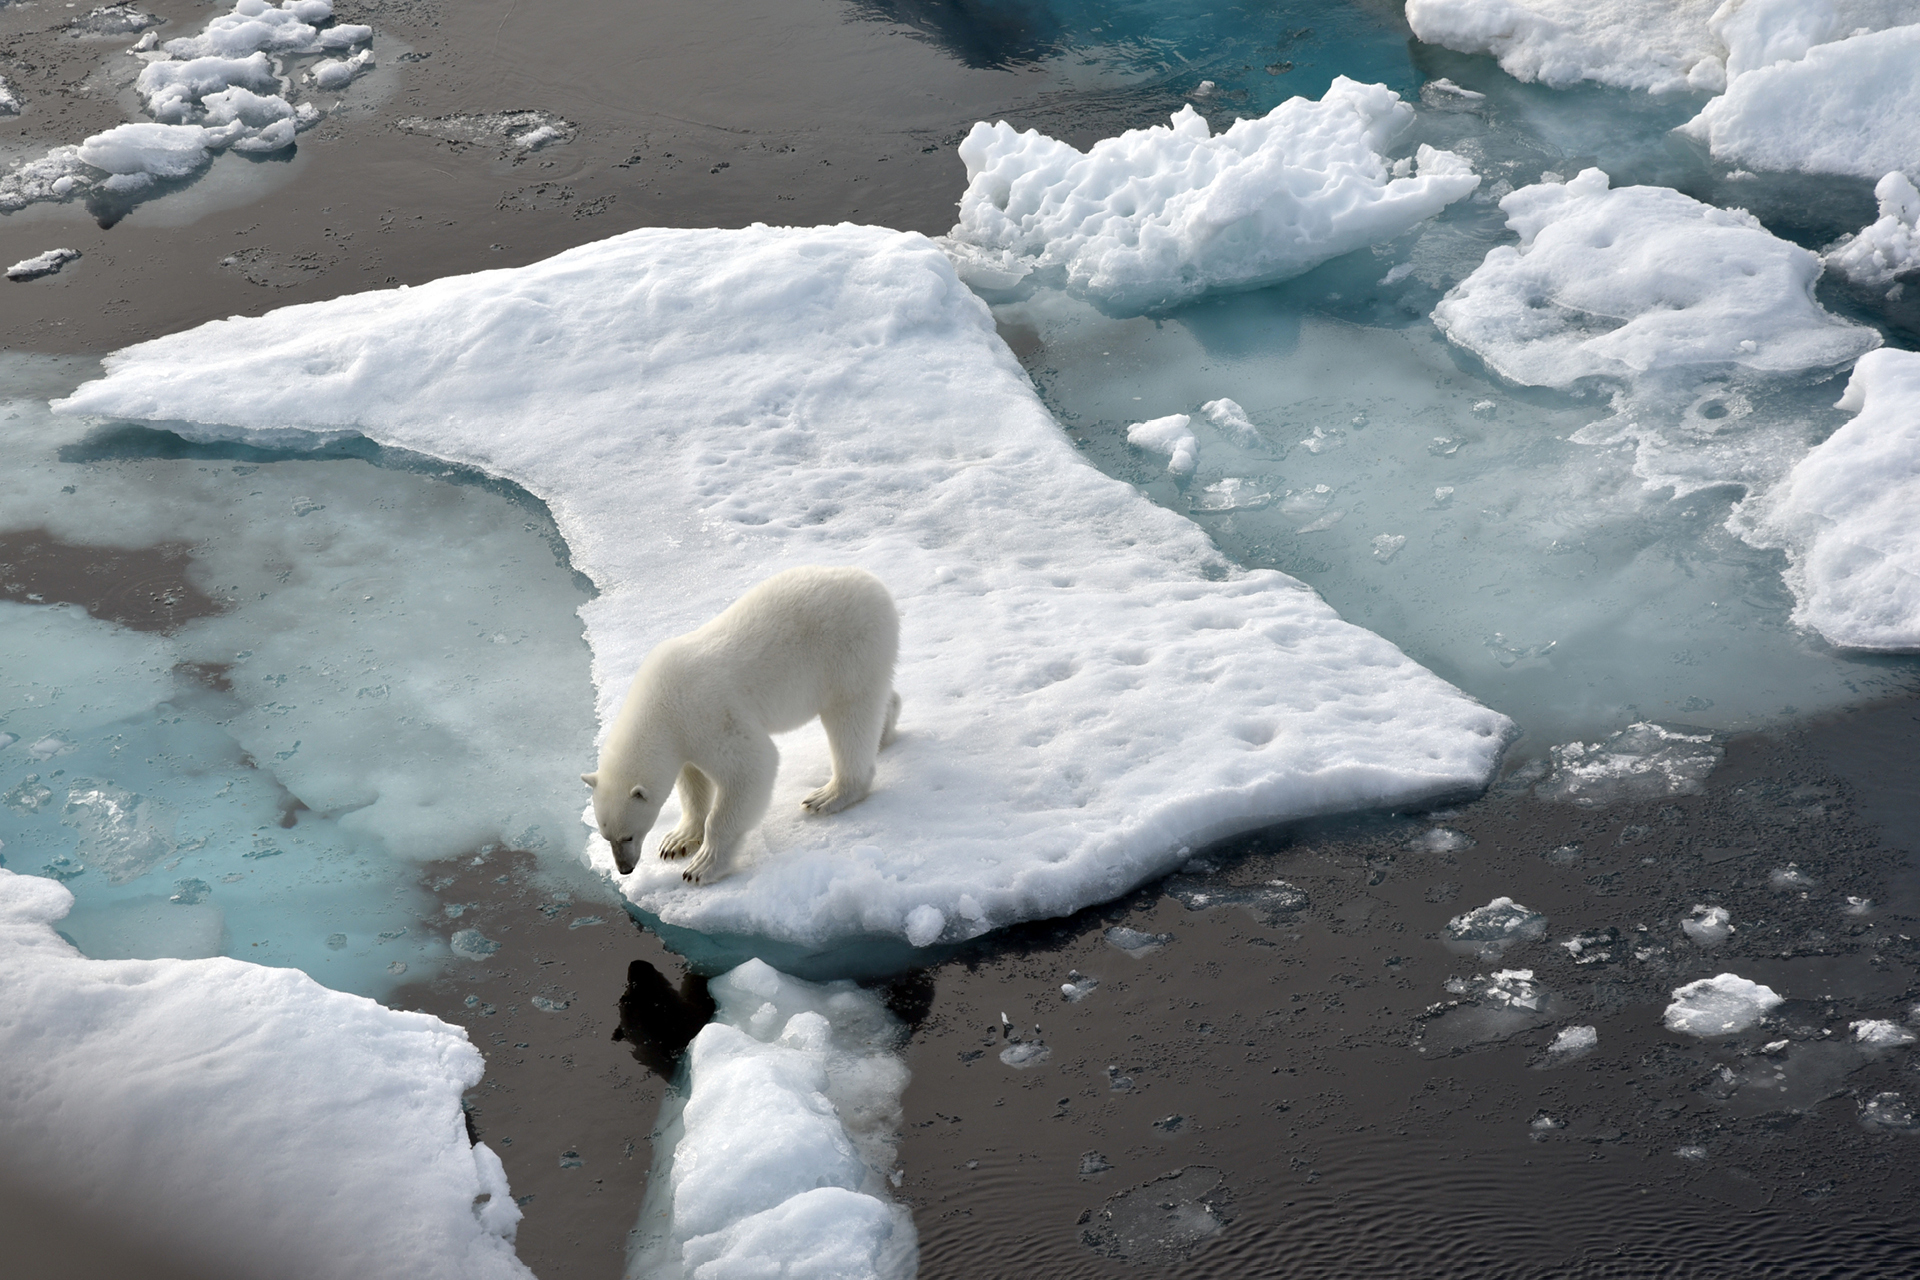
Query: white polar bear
x,y
703,707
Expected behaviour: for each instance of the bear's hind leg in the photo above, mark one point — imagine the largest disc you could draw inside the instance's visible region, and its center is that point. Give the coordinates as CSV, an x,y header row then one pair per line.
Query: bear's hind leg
x,y
887,734
742,787
854,734
696,799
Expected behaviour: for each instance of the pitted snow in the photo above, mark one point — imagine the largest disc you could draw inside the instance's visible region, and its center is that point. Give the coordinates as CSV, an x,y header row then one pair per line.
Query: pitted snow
x,y
323,1132
786,1140
702,408
1845,515
1157,216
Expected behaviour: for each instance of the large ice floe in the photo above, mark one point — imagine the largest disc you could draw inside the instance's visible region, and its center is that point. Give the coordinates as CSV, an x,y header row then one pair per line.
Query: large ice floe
x,y
1089,687
243,1119
1634,44
225,89
778,1159
1158,216
1846,514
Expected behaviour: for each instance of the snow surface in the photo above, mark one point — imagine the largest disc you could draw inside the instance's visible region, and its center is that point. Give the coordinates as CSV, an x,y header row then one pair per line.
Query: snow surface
x,y
1627,282
1719,1005
241,1116
777,1163
1845,515
1851,106
1089,689
1888,246
1158,216
41,264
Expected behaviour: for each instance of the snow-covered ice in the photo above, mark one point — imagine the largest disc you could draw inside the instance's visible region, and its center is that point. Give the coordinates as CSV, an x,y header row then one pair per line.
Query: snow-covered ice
x,y
323,1132
41,264
1845,514
1890,245
1719,1005
1659,45
777,1161
1157,216
837,395
1708,926
1629,283
1643,761
1851,106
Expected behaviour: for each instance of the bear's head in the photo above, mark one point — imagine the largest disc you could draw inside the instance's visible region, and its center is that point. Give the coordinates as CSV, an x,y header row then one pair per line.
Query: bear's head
x,y
625,811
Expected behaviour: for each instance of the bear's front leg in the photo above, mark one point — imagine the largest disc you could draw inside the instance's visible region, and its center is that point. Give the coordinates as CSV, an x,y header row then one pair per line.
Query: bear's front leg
x,y
696,799
742,787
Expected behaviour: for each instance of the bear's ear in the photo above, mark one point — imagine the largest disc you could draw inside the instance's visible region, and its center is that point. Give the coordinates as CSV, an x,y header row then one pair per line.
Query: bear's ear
x,y
640,794
591,779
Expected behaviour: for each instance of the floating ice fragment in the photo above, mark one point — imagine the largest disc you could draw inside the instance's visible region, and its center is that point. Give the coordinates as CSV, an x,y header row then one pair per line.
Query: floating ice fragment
x,y
1719,1006
1134,942
1708,926
584,922
547,1004
1077,987
1502,920
1387,545
1230,494
1790,877
1441,840
44,264
1396,275
1857,906
1324,523
1092,1163
1691,1151
1889,1111
1157,216
1558,42
337,73
190,893
504,128
471,944
1022,1054
1163,1223
397,967
47,748
1595,947
571,1160
1505,989
1574,1042
1116,1082
1233,423
925,925
1878,1033
1171,437
1642,761
336,941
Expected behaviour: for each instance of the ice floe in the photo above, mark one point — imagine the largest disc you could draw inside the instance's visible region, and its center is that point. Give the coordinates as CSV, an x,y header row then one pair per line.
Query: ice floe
x,y
1157,216
1845,514
778,1159
1627,282
1879,1033
1851,106
42,264
1887,247
1490,929
1571,1043
1643,761
698,407
1708,926
324,1132
1633,44
1719,1005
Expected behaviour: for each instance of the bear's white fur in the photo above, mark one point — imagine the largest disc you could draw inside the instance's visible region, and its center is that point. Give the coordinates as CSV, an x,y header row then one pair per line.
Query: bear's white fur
x,y
703,707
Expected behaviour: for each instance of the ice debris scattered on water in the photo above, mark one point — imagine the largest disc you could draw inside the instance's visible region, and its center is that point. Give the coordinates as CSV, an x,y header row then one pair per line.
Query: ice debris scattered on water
x,y
778,1159
1844,514
1889,1110
1043,773
324,1131
112,20
44,264
1504,989
515,130
1268,900
1708,926
1502,920
1163,1223
1719,1006
1157,216
1643,761
1887,247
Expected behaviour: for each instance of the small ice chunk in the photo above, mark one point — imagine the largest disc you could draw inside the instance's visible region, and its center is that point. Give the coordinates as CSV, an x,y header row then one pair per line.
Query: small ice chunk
x,y
1502,920
1790,877
1719,1005
1858,906
471,944
1889,1111
1888,247
44,264
547,1004
1574,1042
584,922
1230,494
337,73
1878,1033
1135,942
1233,422
1022,1054
1708,926
1642,761
1078,987
190,893
1387,545
1691,1151
1093,1163
1445,86
925,924
1171,437
1441,840
9,105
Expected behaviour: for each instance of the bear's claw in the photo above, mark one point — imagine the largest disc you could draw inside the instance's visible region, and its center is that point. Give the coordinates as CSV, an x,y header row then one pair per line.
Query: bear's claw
x,y
678,846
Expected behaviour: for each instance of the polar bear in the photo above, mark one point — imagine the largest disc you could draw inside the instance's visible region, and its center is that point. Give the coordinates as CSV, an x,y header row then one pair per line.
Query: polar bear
x,y
703,707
